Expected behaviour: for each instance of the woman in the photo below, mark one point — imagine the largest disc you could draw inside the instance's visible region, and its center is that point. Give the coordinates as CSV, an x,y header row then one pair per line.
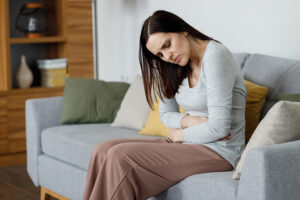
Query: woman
x,y
182,67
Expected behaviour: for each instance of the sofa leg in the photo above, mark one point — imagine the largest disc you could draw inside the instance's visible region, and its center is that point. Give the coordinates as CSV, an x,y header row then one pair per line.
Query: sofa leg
x,y
46,194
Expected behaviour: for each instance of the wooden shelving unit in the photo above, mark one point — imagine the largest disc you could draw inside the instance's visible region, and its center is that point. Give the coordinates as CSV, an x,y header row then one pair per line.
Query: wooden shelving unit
x,y
38,40
70,37
36,90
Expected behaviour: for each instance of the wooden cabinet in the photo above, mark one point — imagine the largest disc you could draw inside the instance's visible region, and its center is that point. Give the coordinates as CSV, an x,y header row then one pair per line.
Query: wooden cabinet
x,y
70,36
3,126
80,38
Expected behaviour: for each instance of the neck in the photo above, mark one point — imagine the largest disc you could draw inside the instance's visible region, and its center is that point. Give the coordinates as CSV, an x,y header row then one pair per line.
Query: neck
x,y
197,51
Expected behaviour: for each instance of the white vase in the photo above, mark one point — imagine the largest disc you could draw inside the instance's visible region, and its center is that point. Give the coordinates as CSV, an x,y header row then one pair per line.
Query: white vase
x,y
24,76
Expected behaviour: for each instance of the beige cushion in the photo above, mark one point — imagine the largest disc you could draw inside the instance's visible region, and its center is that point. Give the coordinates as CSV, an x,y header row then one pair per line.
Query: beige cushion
x,y
134,108
281,124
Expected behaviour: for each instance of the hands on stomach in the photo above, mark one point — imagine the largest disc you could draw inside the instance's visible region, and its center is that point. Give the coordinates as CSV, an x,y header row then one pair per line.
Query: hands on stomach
x,y
188,121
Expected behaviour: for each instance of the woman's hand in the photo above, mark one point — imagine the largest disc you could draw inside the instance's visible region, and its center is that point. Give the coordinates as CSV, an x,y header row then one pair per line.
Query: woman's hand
x,y
228,137
175,134
188,121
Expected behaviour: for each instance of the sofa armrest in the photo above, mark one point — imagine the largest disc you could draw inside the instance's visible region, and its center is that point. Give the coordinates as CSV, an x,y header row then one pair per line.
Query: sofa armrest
x,y
271,172
40,114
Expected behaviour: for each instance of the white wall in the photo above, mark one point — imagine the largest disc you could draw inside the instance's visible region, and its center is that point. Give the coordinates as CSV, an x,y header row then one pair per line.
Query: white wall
x,y
119,25
269,27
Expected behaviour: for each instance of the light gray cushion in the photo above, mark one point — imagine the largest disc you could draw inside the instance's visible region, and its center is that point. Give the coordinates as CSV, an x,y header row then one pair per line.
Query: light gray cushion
x,y
63,142
241,58
134,109
212,186
280,75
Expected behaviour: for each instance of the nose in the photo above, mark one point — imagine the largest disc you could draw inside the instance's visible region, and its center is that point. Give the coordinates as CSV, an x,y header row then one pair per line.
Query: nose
x,y
168,56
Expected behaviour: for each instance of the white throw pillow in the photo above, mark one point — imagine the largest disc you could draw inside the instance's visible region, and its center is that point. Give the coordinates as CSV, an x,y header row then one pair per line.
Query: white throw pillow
x,y
134,109
281,124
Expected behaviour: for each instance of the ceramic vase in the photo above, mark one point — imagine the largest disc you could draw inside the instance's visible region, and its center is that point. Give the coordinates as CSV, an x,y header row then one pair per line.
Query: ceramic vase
x,y
24,76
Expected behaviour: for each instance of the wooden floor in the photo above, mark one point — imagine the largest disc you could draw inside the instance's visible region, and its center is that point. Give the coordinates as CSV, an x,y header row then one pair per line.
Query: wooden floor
x,y
15,184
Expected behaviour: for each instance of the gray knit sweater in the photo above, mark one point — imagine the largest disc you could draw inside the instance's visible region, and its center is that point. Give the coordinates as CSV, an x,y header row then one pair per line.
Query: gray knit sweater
x,y
220,94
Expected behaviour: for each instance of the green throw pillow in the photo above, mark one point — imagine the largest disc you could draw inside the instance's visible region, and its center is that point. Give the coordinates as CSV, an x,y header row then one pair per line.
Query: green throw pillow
x,y
289,97
91,101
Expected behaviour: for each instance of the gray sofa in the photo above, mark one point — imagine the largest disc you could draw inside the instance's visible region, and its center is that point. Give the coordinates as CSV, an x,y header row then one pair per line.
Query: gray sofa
x,y
58,155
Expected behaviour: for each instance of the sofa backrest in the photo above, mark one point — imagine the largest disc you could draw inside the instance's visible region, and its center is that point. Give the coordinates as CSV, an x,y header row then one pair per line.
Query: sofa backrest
x,y
280,75
241,58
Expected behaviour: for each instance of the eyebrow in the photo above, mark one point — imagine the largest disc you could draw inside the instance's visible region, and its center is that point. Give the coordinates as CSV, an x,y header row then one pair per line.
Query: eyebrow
x,y
162,46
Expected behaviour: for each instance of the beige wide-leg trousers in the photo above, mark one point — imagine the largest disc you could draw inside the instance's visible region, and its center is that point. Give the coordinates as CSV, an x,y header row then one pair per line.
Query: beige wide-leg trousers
x,y
136,169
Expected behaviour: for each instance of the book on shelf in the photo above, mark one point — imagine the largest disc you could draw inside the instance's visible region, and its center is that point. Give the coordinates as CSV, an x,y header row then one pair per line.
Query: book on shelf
x,y
54,81
53,72
52,63
52,66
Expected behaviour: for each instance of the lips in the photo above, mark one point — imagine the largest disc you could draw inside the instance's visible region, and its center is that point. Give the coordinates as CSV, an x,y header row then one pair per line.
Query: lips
x,y
176,60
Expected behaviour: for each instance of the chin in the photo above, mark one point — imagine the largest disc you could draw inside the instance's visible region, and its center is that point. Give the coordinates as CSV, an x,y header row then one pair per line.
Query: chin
x,y
183,63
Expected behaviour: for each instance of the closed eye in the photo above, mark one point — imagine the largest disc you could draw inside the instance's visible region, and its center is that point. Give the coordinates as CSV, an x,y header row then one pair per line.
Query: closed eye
x,y
167,44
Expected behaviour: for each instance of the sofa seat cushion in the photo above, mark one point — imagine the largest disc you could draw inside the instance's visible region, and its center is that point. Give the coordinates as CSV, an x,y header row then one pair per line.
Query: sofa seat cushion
x,y
74,144
212,186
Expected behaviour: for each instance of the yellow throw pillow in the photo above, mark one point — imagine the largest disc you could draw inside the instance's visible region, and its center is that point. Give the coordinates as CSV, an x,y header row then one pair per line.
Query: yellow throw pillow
x,y
153,124
256,96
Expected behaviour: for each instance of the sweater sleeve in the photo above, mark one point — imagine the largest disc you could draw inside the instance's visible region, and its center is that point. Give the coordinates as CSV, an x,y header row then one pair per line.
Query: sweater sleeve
x,y
169,113
220,73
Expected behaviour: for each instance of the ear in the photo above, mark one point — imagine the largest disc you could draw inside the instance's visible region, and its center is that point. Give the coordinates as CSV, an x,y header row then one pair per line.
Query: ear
x,y
185,33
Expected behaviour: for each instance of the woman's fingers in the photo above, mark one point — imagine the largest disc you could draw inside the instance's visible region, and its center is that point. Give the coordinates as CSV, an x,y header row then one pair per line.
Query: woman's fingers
x,y
228,137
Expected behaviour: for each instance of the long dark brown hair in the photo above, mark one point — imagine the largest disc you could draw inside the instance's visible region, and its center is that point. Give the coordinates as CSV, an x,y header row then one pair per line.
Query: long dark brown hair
x,y
162,77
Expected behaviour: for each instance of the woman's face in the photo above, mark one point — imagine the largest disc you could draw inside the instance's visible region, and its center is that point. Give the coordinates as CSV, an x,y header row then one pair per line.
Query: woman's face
x,y
170,47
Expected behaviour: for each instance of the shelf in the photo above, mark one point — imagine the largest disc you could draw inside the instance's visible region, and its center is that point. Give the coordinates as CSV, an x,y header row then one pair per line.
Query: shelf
x,y
38,40
37,89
